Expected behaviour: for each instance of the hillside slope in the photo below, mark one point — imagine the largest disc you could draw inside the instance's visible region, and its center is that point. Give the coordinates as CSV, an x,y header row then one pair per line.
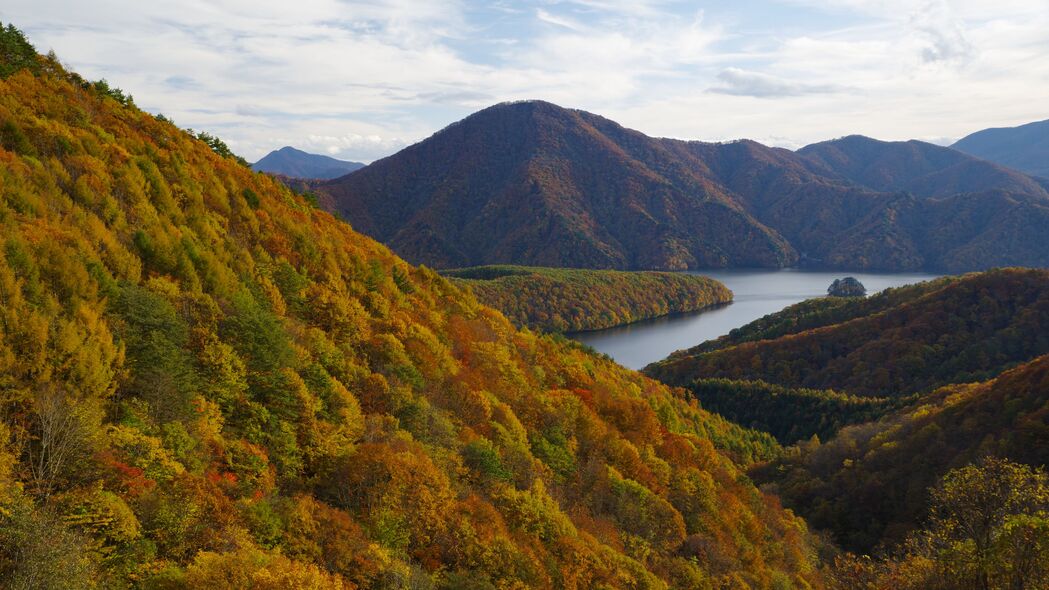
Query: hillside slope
x,y
207,383
905,341
567,300
870,484
1024,148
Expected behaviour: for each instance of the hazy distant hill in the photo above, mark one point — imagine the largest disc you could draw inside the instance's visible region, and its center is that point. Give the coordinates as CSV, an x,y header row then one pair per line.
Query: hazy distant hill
x,y
916,167
1025,148
535,184
288,161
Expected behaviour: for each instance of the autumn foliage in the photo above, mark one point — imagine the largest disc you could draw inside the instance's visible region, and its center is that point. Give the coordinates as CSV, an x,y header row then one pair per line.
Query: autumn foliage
x,y
568,300
869,484
206,382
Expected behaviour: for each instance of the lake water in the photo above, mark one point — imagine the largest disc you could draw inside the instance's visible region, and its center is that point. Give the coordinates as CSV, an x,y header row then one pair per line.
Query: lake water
x,y
757,293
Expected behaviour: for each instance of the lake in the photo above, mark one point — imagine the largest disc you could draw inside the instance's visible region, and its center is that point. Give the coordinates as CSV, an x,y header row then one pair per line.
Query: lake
x,y
757,293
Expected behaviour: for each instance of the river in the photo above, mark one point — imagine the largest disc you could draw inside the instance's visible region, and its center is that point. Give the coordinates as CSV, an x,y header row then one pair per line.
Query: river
x,y
757,293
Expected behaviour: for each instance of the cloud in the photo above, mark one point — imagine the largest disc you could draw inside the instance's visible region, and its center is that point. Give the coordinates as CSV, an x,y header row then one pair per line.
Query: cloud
x,y
374,145
361,78
560,21
944,32
739,82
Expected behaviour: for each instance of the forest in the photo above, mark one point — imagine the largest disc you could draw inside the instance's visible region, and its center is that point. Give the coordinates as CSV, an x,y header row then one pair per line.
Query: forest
x,y
534,183
814,313
572,300
206,382
789,414
870,484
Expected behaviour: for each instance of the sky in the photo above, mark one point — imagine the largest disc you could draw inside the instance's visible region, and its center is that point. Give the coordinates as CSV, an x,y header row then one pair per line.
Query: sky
x,y
361,80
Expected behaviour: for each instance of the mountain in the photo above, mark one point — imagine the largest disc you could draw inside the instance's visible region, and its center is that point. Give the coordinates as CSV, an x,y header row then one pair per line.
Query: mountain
x,y
535,184
570,300
1024,148
288,161
901,342
917,167
206,382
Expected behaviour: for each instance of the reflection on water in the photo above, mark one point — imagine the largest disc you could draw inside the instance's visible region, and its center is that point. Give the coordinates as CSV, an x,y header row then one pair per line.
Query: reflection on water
x,y
757,293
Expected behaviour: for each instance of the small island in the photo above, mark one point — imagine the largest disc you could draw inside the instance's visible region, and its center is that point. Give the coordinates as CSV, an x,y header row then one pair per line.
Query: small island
x,y
847,287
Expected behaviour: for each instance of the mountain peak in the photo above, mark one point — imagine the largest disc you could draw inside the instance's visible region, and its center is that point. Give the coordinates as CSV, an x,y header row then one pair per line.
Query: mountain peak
x,y
295,163
531,182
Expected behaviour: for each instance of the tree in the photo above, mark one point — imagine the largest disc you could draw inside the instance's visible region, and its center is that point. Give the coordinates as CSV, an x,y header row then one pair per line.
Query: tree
x,y
847,287
988,524
64,435
16,53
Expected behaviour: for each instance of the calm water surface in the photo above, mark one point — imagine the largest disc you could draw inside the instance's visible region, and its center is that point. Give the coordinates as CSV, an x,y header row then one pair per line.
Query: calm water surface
x,y
757,293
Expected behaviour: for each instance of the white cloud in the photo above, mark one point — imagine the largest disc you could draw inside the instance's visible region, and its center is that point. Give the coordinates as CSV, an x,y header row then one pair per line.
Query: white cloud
x,y
740,82
359,79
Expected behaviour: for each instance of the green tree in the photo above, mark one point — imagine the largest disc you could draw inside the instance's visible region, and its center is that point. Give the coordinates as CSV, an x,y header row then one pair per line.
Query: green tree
x,y
988,525
16,53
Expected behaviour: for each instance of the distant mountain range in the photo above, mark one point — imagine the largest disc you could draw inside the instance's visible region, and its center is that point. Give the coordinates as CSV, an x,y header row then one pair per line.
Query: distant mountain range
x,y
1025,148
533,183
288,161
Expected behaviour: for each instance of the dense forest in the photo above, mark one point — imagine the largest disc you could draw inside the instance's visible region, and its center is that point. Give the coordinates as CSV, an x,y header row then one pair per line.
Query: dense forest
x,y
567,300
985,527
791,415
206,382
907,341
870,485
536,184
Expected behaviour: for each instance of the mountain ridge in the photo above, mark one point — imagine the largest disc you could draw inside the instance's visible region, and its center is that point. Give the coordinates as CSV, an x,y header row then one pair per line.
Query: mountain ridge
x,y
536,184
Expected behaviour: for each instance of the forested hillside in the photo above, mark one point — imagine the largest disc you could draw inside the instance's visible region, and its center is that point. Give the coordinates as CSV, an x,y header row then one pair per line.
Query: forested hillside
x,y
906,341
205,382
791,415
535,184
565,300
916,167
870,485
815,313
